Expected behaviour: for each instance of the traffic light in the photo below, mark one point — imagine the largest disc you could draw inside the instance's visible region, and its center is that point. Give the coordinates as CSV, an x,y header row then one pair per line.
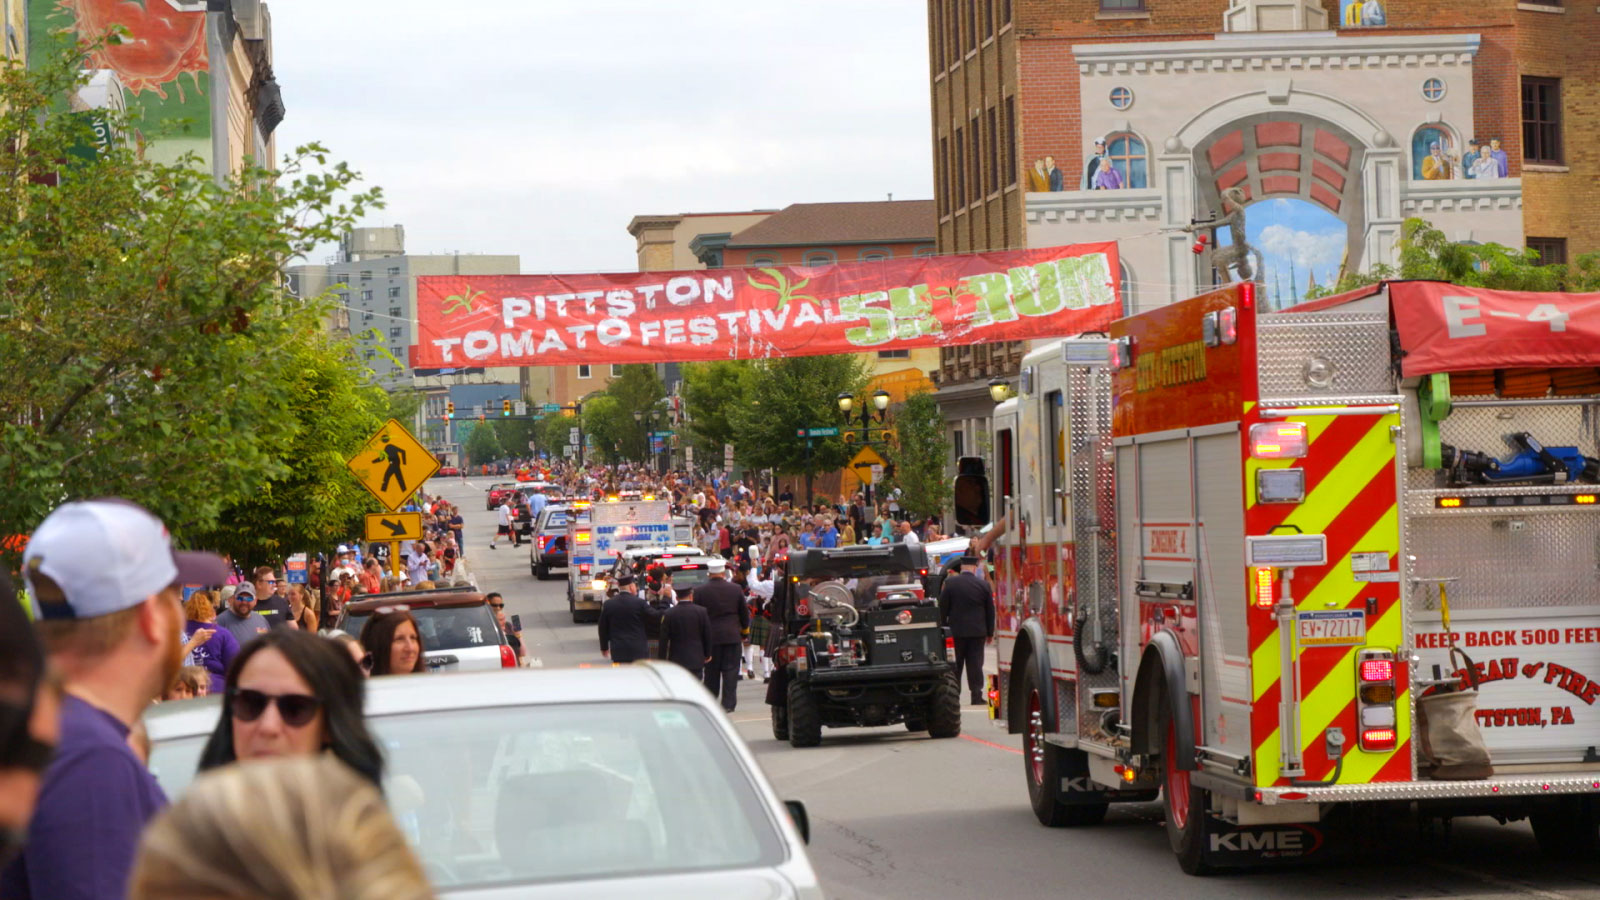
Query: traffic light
x,y
886,435
848,436
480,417
505,407
449,409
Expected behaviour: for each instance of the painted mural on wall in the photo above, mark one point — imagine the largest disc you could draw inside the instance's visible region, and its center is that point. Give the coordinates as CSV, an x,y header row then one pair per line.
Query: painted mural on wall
x,y
1362,13
1435,157
1120,162
1297,245
161,61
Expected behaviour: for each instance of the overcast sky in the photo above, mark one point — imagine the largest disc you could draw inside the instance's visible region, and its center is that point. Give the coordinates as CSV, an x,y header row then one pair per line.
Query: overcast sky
x,y
540,127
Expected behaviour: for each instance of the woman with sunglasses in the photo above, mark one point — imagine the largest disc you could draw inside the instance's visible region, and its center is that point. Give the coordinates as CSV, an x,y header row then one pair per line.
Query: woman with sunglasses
x,y
292,693
395,642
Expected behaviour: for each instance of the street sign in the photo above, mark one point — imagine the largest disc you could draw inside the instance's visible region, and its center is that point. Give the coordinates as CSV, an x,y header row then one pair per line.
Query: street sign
x,y
392,465
569,450
531,446
477,410
520,408
822,432
394,526
550,408
866,466
572,436
877,474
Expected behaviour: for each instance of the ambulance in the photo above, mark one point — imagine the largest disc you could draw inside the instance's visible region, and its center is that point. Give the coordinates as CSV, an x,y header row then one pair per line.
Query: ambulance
x,y
597,532
1301,573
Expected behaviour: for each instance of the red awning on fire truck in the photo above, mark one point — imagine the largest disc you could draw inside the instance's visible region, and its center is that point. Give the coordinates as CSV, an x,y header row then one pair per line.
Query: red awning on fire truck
x,y
1450,328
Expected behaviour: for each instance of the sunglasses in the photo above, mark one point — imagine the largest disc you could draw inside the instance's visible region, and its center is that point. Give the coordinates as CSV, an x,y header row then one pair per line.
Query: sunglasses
x,y
296,710
497,606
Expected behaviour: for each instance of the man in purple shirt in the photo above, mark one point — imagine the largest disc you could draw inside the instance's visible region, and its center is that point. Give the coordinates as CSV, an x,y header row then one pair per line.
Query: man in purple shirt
x,y
106,587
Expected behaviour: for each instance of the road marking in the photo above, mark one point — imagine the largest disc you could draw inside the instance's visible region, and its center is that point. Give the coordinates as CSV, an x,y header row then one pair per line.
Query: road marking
x,y
968,737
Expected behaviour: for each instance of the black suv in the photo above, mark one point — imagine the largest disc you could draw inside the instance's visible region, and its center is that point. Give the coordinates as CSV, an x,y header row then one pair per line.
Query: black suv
x,y
857,642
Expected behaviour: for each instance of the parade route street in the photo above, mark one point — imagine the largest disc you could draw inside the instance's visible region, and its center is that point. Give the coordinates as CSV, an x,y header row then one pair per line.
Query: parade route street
x,y
896,815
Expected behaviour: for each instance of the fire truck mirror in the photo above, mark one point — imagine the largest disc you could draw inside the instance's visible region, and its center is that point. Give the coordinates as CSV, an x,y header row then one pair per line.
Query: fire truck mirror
x,y
971,499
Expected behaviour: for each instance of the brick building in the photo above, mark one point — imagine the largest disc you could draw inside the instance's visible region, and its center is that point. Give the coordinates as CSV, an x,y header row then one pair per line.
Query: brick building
x,y
1362,110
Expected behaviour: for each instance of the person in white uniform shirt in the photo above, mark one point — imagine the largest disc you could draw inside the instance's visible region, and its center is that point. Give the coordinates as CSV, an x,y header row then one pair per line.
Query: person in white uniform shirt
x,y
504,526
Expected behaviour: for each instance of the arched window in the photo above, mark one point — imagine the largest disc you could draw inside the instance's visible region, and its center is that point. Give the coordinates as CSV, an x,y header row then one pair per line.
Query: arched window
x,y
820,258
927,250
762,260
1128,157
1435,153
1130,303
874,254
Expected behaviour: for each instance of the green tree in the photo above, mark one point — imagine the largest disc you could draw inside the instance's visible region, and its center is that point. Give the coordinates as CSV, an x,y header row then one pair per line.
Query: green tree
x,y
785,396
637,389
611,426
1428,253
155,354
918,456
711,391
515,434
552,433
314,503
481,445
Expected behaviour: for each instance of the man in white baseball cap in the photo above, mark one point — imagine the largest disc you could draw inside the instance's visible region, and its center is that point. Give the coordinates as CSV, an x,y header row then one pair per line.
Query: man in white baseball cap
x,y
106,588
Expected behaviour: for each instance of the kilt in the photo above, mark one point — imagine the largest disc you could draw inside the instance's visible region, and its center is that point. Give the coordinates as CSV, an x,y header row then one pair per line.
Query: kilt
x,y
760,630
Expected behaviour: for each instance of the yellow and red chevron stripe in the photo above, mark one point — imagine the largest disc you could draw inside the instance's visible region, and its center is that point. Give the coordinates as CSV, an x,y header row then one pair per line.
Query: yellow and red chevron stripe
x,y
1351,498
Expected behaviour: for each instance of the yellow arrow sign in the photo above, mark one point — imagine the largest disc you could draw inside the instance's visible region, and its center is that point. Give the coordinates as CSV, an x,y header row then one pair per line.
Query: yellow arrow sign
x,y
394,526
392,465
860,467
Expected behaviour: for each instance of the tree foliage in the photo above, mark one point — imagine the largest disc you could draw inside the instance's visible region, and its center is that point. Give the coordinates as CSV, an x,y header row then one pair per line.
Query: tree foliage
x,y
609,426
783,396
481,445
609,415
711,391
1427,253
153,352
918,456
552,433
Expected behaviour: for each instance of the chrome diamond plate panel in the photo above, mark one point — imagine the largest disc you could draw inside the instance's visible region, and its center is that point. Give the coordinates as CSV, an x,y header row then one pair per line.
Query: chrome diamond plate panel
x,y
1515,560
1506,786
1355,347
1066,706
1093,523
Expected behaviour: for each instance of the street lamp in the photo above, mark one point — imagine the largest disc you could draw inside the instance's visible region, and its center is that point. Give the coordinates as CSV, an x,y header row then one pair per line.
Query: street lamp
x,y
999,390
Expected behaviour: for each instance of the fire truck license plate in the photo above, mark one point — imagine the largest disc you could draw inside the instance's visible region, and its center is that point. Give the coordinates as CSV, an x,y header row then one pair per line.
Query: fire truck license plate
x,y
1332,628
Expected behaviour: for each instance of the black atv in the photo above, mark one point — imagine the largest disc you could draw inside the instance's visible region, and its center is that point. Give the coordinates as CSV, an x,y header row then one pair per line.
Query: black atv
x,y
857,642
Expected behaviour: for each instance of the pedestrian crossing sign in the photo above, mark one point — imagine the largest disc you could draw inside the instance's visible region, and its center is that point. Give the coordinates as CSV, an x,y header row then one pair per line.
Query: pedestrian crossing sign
x,y
392,465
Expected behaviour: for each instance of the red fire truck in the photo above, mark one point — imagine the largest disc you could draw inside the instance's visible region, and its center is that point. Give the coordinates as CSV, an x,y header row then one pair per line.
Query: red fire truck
x,y
1239,550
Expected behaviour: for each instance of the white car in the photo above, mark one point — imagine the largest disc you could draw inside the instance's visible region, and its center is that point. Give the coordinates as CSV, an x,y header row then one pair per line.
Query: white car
x,y
587,783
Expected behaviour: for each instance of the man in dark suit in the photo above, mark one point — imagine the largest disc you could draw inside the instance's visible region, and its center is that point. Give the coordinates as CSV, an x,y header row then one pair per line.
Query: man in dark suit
x,y
686,636
625,622
966,607
724,604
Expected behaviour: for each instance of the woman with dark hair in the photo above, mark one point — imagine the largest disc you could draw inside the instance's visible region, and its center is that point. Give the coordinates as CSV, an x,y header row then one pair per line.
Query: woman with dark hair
x,y
395,642
292,693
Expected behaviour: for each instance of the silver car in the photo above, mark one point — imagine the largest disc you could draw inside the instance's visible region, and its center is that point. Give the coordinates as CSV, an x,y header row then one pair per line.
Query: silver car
x,y
627,781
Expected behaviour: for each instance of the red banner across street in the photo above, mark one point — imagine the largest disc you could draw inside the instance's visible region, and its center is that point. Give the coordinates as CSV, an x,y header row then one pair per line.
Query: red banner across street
x,y
759,313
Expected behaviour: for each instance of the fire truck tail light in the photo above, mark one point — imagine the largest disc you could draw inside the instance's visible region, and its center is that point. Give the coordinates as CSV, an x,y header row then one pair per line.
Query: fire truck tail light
x,y
1278,440
1584,499
1264,597
1220,327
1377,717
1121,353
1377,693
950,649
1377,670
1377,738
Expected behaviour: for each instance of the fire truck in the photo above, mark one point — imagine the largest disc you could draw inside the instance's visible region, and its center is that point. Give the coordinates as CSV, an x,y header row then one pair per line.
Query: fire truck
x,y
1242,553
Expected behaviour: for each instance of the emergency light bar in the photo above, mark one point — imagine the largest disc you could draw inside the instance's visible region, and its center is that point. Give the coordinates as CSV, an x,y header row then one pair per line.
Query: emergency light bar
x,y
1220,327
1511,500
1264,597
1285,550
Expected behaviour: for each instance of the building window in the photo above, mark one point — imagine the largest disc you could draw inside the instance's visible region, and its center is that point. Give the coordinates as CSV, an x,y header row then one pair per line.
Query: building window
x,y
1011,135
344,297
994,149
974,159
1127,156
938,36
1541,120
1121,5
369,354
927,250
583,372
394,332
394,292
952,31
1121,98
894,354
1005,17
366,296
960,193
942,177
874,254
1432,149
988,18
972,24
396,311
366,275
1433,89
1552,251
762,260
616,370
393,271
820,258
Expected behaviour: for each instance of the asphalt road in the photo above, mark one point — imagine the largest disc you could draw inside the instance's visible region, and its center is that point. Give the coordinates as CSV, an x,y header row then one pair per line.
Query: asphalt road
x,y
896,815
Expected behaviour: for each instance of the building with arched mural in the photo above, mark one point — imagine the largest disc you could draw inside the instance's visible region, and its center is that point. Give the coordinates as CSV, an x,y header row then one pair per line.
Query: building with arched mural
x,y
1058,121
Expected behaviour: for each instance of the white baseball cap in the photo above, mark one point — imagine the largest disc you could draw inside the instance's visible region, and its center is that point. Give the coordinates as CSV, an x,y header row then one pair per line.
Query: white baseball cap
x,y
716,566
107,556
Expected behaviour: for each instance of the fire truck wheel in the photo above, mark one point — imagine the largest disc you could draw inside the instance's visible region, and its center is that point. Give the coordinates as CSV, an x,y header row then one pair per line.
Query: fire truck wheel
x,y
1047,766
915,725
805,719
944,709
1568,829
1185,806
780,722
